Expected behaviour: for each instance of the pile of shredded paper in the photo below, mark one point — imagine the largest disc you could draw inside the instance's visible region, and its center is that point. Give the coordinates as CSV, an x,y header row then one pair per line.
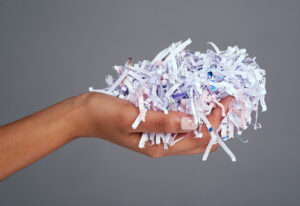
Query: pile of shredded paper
x,y
188,81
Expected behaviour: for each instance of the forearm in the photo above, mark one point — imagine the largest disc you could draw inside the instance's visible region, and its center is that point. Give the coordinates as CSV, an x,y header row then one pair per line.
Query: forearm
x,y
33,137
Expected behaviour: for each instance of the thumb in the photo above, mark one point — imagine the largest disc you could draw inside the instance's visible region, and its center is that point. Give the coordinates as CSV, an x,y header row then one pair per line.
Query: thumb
x,y
173,122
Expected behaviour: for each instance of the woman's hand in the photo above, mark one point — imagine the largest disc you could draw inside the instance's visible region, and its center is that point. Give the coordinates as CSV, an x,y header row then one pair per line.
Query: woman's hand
x,y
95,115
111,118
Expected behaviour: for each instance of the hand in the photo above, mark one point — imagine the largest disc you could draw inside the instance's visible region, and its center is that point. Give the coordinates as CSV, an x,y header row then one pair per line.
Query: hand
x,y
111,118
96,115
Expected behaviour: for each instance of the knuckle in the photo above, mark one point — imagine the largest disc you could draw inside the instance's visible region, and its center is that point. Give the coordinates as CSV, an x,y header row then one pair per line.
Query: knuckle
x,y
204,146
214,118
163,124
213,148
217,111
199,150
154,154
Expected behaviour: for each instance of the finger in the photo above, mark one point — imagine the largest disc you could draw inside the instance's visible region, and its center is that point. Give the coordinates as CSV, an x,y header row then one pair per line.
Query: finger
x,y
189,145
173,122
192,145
226,102
176,122
215,117
198,150
182,147
157,150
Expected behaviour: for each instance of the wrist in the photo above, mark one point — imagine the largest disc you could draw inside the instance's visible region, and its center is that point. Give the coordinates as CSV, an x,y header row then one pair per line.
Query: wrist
x,y
79,119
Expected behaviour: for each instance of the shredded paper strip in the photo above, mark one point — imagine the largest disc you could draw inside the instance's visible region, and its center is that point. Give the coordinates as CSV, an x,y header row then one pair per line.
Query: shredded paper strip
x,y
188,81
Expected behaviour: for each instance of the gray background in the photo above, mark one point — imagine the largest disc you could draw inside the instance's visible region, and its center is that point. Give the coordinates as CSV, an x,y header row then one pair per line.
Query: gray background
x,y
50,50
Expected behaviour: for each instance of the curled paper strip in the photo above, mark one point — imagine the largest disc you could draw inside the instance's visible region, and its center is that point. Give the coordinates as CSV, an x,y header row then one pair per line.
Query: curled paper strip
x,y
188,81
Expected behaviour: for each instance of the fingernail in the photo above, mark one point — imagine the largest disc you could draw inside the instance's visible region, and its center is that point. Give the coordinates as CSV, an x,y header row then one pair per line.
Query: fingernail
x,y
187,123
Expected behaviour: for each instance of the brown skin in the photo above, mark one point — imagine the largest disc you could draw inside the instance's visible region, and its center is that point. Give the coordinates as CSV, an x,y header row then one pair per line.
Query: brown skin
x,y
94,115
